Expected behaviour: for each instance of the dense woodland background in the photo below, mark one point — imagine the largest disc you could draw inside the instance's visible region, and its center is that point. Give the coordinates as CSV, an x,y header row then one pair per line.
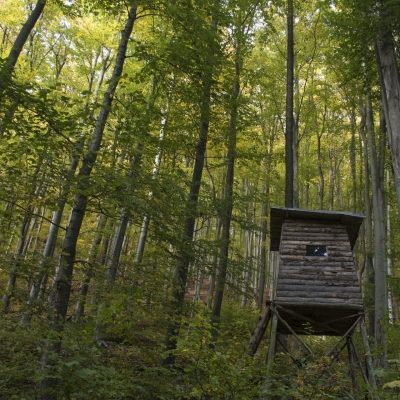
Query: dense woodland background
x,y
142,145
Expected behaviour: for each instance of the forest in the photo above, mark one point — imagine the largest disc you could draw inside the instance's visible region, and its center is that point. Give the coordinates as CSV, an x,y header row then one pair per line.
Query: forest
x,y
142,145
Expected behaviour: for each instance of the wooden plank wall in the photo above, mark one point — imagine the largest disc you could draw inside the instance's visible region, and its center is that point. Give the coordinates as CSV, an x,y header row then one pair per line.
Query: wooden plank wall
x,y
323,280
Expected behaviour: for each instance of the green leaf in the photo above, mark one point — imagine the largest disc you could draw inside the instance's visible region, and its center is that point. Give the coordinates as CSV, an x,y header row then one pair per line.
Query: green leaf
x,y
392,385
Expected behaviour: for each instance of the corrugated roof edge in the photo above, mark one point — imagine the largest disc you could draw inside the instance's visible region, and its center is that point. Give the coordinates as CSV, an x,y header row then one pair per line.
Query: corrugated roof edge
x,y
352,221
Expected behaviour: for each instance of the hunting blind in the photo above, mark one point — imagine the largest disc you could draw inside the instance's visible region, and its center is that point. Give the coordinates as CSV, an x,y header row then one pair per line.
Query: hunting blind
x,y
316,275
315,289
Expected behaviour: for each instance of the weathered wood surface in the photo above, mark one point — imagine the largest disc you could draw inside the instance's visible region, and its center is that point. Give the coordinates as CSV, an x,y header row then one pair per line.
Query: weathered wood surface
x,y
314,288
294,234
315,263
313,223
324,260
338,269
321,288
317,295
303,241
258,333
330,220
330,248
332,303
331,255
330,281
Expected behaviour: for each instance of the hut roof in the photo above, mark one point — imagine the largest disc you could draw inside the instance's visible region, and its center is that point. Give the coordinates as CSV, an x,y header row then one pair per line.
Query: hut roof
x,y
352,221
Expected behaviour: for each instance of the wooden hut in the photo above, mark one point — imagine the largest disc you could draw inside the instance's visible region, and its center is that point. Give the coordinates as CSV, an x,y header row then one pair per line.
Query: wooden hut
x,y
317,289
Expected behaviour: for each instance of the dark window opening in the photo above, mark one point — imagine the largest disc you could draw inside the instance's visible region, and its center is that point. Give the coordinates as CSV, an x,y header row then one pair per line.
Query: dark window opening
x,y
316,251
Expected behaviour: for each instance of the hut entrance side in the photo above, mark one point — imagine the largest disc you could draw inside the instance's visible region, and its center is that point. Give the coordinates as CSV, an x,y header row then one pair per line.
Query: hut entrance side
x,y
316,289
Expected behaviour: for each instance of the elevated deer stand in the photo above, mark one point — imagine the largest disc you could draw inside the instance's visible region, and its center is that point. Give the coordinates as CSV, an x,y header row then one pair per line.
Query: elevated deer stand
x,y
316,289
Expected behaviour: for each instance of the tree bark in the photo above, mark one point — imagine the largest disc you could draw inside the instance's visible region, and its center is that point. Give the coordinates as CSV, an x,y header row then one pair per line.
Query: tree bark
x,y
146,219
23,35
289,189
369,268
39,286
83,291
227,202
62,285
21,240
390,90
185,253
380,285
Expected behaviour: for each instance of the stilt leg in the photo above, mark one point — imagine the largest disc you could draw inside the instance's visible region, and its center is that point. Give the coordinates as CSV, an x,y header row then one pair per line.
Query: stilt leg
x,y
352,370
272,340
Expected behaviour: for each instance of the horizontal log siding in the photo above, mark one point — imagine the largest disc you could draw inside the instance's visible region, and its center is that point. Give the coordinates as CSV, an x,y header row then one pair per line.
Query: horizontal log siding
x,y
317,280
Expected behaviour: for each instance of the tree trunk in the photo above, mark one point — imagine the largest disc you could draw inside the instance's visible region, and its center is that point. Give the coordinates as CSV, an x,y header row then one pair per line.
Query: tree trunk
x,y
111,271
263,256
63,278
289,195
146,219
214,262
390,89
393,306
369,268
39,286
227,202
80,304
15,51
381,299
353,160
185,253
21,240
24,34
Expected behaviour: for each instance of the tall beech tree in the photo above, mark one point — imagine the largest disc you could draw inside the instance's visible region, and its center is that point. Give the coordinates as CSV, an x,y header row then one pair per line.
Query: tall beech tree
x,y
227,199
390,89
185,256
23,36
289,127
62,283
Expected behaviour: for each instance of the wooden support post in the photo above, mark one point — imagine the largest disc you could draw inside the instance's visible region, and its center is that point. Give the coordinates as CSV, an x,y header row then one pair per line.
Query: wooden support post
x,y
272,340
355,352
349,331
351,364
270,355
258,333
291,331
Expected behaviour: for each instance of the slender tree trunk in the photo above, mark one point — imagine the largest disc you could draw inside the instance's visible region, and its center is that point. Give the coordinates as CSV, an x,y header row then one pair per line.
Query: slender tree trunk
x,y
111,271
321,175
289,195
214,263
185,252
63,278
21,241
369,268
146,219
390,89
80,305
393,305
381,300
331,180
15,51
39,286
24,35
353,160
263,254
227,202
120,235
